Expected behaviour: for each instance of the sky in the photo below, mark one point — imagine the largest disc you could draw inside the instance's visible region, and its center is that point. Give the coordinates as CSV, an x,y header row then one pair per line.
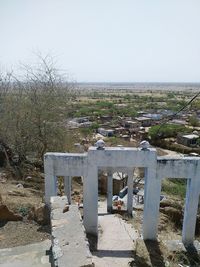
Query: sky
x,y
105,40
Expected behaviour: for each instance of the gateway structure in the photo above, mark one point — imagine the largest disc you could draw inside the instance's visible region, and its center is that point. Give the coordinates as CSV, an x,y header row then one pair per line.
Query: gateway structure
x,y
112,159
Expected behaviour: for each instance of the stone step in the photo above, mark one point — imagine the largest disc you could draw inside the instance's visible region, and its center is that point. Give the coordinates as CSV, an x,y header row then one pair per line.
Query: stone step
x,y
33,255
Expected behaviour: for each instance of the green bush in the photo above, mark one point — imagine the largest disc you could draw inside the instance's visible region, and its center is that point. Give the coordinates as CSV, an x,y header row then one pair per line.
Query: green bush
x,y
165,131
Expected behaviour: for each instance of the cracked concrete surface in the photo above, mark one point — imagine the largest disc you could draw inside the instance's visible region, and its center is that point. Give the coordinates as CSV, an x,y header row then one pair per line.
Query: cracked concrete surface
x,y
116,240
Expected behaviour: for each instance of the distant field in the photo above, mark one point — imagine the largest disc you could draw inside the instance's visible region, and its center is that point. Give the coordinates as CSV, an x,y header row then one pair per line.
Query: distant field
x,y
140,86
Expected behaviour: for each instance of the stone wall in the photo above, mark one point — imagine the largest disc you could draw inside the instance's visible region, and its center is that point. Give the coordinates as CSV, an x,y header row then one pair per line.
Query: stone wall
x,y
70,247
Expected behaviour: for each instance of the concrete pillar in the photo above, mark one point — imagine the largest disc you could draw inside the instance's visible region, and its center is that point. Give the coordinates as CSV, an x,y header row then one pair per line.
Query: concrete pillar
x,y
190,213
151,203
130,192
50,179
90,198
67,187
109,191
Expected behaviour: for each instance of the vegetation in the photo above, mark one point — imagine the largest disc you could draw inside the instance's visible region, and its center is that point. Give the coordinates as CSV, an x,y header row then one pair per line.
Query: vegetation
x,y
175,187
165,131
193,121
31,111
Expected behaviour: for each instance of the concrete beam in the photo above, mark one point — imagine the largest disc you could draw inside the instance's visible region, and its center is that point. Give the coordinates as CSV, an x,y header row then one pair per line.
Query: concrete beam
x,y
68,187
177,167
130,192
90,198
109,191
191,208
70,164
151,203
123,157
50,179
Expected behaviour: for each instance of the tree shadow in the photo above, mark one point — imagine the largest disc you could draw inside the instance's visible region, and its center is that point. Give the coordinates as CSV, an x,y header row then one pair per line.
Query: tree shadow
x,y
51,258
44,229
149,254
155,253
193,258
101,253
3,223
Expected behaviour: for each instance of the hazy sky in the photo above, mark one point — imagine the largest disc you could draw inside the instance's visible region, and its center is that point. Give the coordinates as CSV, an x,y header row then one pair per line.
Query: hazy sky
x,y
106,40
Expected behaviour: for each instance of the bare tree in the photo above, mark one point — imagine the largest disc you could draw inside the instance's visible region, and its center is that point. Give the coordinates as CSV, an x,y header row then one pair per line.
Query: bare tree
x,y
32,109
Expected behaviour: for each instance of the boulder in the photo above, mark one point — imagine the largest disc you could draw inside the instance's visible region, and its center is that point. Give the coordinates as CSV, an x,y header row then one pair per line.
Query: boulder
x,y
40,214
8,215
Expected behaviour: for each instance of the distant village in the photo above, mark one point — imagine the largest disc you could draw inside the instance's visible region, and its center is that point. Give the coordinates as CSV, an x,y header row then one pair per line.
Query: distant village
x,y
138,128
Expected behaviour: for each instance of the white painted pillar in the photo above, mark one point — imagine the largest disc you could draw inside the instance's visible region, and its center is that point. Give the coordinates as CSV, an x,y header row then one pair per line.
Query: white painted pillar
x,y
90,197
151,203
130,192
109,191
50,179
191,207
67,187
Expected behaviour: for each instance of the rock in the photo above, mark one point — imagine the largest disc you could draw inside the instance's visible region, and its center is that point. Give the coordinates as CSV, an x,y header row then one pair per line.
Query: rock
x,y
19,186
174,214
8,215
28,178
65,209
40,214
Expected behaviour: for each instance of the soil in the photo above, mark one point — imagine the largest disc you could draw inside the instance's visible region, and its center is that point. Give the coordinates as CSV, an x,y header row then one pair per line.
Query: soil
x,y
20,199
22,233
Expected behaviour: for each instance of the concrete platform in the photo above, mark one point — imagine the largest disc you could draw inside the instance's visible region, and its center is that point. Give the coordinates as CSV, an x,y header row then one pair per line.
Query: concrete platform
x,y
33,255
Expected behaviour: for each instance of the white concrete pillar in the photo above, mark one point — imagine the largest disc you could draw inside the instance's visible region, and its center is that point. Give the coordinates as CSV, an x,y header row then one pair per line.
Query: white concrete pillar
x,y
50,179
109,191
190,213
130,192
68,187
90,197
151,203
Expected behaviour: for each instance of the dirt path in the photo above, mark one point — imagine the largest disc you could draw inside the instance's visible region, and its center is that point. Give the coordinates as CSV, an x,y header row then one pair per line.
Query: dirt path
x,y
116,240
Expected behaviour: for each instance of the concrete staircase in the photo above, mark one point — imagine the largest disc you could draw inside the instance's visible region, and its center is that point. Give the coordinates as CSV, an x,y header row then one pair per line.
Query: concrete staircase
x,y
33,255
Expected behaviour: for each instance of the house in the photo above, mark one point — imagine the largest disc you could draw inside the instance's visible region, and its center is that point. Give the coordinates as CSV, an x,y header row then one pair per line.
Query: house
x,y
153,116
129,124
80,122
179,122
145,122
106,132
190,140
120,130
119,182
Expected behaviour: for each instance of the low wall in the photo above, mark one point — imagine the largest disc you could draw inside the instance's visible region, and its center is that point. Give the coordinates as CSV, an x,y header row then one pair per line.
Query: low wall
x,y
69,243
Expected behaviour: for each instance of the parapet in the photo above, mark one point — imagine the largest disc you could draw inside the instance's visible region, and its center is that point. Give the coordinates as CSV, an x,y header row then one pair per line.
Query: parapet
x,y
69,243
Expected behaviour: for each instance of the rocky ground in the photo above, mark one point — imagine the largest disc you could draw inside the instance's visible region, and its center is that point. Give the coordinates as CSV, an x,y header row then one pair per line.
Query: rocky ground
x,y
19,203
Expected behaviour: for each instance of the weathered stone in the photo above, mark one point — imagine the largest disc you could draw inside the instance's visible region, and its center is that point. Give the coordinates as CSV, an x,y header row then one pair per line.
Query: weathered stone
x,y
69,243
40,214
65,209
8,215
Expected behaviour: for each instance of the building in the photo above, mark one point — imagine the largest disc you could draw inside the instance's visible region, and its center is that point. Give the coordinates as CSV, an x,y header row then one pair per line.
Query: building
x,y
119,182
190,140
129,124
145,122
179,122
106,132
80,122
153,116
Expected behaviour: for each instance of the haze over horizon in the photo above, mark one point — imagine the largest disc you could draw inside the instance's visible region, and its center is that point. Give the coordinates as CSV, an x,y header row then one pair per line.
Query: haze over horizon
x,y
105,41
